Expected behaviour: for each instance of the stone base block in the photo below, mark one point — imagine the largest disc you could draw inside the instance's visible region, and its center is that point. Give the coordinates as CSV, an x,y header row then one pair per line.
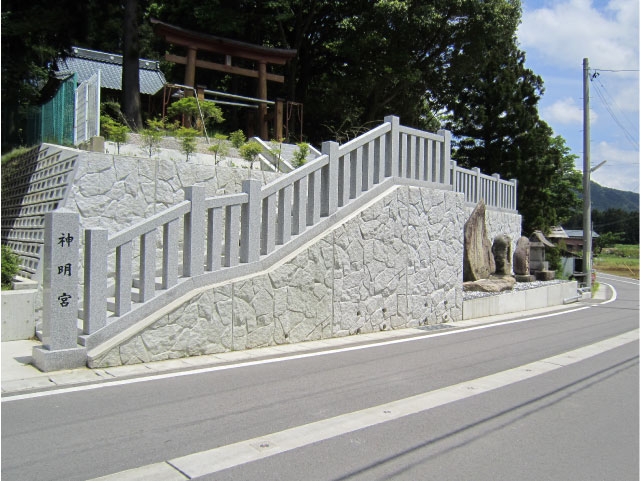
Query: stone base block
x,y
18,314
47,360
525,278
545,275
494,284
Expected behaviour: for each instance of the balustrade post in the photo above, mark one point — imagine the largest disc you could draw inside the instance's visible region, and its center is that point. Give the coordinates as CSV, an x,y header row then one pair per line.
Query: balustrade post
x,y
477,173
194,221
445,157
514,202
95,280
393,147
250,221
330,178
454,176
60,348
498,199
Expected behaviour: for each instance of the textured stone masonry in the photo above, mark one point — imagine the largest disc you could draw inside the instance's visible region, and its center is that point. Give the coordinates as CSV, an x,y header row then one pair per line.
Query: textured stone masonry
x,y
397,263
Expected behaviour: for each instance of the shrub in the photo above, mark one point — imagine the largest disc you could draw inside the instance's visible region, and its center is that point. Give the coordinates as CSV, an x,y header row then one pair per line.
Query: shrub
x,y
237,138
276,150
115,132
188,107
187,141
111,110
554,257
10,266
300,155
151,136
250,151
220,147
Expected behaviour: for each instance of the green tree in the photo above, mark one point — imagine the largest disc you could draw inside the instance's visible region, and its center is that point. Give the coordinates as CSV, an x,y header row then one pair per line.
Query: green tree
x,y
114,131
250,152
237,138
566,184
219,147
34,34
610,220
606,239
275,146
151,136
187,141
494,117
188,106
300,155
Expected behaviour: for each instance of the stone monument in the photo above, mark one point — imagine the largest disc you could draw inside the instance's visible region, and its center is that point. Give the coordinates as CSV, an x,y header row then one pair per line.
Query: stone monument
x,y
521,261
538,266
478,259
479,262
501,251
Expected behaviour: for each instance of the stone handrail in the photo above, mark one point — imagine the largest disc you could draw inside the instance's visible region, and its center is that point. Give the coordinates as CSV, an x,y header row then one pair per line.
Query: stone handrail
x,y
228,236
476,186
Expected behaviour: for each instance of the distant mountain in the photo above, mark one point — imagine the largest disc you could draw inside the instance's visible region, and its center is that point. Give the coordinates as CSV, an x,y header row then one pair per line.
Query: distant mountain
x,y
603,198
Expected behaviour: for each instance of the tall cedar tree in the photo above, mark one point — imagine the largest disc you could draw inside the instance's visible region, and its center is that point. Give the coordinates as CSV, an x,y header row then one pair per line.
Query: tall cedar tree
x,y
130,66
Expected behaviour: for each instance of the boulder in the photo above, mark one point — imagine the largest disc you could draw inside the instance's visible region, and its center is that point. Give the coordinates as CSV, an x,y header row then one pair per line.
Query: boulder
x,y
478,259
493,284
501,251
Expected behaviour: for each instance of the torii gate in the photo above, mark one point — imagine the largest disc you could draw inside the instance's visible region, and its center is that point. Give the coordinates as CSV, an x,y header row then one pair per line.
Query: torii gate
x,y
195,41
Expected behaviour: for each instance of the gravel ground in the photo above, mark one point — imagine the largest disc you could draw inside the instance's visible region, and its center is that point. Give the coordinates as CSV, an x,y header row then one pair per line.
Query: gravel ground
x,y
519,286
173,143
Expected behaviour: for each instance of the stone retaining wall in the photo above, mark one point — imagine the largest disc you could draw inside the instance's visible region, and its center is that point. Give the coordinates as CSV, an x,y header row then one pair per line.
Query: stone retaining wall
x,y
114,192
395,263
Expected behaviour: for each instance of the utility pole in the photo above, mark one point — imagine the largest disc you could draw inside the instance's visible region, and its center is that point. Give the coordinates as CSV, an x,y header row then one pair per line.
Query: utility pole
x,y
586,177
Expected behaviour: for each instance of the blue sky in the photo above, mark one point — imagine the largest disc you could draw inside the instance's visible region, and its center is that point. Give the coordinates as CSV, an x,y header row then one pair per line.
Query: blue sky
x,y
556,36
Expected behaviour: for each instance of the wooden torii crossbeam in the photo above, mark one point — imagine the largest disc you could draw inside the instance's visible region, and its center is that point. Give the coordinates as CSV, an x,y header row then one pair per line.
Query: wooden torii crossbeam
x,y
195,41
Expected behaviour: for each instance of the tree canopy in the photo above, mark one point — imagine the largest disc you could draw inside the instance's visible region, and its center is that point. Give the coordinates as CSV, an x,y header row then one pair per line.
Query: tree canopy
x,y
435,63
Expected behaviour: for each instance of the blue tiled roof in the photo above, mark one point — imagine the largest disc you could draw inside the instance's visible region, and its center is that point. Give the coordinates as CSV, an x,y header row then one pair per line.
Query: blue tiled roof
x,y
573,234
87,62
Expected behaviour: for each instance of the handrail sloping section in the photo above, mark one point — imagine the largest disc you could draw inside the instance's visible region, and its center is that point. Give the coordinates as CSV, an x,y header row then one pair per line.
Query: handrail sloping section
x,y
203,241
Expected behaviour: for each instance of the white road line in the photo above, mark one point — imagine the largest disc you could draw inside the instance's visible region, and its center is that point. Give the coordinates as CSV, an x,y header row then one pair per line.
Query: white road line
x,y
224,457
617,279
614,295
155,377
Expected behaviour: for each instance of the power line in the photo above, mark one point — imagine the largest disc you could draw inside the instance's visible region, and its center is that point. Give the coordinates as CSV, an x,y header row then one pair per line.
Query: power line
x,y
609,70
609,109
630,122
619,221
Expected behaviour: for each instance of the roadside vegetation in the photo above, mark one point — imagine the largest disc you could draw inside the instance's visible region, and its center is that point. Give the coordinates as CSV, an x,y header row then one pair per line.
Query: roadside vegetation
x,y
10,267
621,260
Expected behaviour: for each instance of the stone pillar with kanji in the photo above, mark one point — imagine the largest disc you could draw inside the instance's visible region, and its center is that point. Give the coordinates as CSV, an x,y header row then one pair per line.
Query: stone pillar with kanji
x,y
60,349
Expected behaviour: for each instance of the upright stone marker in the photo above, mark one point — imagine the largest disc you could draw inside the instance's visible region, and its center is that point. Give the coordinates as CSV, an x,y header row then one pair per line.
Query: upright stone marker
x,y
521,261
60,348
478,262
501,251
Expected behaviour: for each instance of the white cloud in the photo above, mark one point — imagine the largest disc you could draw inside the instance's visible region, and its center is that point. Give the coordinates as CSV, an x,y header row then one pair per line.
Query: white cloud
x,y
621,169
565,33
566,112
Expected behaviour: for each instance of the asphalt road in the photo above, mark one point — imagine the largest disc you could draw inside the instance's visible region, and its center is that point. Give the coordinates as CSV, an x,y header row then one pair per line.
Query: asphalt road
x,y
575,422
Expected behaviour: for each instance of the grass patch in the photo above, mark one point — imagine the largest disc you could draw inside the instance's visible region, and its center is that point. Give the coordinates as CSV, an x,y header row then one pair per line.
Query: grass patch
x,y
621,260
